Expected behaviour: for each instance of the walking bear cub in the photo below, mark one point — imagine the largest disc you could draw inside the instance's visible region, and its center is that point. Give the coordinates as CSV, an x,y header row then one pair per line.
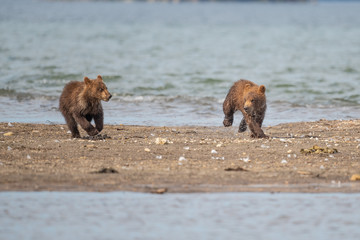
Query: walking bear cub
x,y
250,99
80,102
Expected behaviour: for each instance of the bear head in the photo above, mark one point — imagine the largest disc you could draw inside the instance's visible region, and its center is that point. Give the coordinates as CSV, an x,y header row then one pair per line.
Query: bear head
x,y
96,88
254,98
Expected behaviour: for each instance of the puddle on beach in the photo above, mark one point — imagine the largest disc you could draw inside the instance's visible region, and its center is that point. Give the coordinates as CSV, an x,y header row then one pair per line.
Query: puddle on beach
x,y
126,215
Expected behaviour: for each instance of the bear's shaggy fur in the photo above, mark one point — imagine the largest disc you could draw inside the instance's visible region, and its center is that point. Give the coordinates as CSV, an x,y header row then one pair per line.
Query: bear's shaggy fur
x,y
250,99
80,102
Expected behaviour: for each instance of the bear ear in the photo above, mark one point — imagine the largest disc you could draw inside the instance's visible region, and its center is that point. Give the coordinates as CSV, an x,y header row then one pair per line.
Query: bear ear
x,y
99,77
87,81
262,89
247,86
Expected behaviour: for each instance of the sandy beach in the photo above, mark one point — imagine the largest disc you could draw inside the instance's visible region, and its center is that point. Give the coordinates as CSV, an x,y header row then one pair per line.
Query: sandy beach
x,y
38,157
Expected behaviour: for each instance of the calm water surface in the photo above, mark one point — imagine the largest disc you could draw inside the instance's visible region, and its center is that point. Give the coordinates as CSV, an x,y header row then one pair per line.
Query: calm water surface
x,y
123,215
172,64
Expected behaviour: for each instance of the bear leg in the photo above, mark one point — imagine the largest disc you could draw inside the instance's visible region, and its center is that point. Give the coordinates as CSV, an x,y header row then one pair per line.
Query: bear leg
x,y
72,125
86,125
99,121
256,131
228,111
243,126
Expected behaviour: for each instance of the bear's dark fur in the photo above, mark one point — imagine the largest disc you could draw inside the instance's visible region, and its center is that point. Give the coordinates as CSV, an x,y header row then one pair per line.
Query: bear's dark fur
x,y
250,99
80,102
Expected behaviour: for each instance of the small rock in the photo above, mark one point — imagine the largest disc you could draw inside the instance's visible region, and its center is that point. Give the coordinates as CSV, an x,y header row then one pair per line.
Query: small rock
x,y
9,148
182,158
159,157
10,124
147,150
264,146
283,161
28,156
186,148
214,151
8,134
90,146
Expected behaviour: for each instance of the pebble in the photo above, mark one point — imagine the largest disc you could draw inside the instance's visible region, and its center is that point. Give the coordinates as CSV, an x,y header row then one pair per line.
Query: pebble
x,y
28,156
8,134
9,148
159,157
283,161
10,124
186,148
214,151
147,150
264,146
182,158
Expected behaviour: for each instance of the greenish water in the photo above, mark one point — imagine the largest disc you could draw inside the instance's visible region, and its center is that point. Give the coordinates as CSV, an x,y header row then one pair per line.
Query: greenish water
x,y
172,64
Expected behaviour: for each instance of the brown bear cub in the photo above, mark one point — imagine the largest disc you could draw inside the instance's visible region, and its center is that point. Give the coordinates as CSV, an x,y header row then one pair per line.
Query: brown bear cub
x,y
80,102
250,99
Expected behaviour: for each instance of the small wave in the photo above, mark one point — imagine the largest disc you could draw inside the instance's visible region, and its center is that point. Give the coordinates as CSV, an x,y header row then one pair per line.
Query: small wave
x,y
210,81
167,86
350,70
206,100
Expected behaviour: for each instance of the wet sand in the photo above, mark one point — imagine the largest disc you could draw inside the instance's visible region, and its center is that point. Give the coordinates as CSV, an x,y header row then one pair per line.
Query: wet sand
x,y
38,157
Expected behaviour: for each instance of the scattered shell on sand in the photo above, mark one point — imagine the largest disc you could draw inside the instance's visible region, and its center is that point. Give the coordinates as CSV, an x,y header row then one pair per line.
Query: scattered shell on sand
x,y
161,141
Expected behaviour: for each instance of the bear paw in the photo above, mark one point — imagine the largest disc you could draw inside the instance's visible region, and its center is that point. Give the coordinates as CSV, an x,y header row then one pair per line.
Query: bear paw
x,y
93,132
227,122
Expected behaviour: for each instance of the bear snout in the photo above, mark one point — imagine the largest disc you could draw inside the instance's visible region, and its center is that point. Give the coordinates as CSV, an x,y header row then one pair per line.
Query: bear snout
x,y
107,98
247,109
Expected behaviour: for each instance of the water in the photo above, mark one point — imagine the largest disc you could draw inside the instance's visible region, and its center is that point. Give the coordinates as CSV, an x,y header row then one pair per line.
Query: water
x,y
60,215
172,64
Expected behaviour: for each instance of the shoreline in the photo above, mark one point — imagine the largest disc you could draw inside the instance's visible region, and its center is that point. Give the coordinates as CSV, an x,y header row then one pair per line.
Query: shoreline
x,y
182,159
